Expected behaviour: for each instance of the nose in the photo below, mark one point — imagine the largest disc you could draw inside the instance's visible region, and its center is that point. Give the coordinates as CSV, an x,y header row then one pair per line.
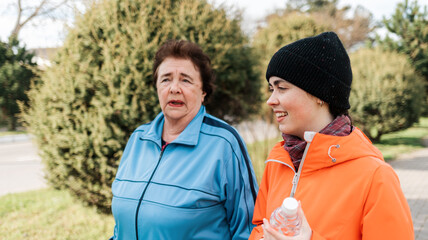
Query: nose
x,y
175,87
272,100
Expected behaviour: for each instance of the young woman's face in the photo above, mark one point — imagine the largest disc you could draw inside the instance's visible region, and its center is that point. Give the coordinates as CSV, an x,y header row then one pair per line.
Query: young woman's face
x,y
179,88
296,111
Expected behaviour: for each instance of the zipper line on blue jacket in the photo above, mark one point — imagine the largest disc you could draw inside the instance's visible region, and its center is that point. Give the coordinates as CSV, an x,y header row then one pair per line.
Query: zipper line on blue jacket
x,y
144,191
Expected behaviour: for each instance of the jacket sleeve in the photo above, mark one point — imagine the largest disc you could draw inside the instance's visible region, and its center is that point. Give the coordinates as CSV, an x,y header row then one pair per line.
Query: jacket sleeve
x,y
260,207
386,212
241,189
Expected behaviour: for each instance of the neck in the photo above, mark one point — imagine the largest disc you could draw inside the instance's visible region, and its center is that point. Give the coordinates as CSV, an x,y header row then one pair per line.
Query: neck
x,y
172,129
323,118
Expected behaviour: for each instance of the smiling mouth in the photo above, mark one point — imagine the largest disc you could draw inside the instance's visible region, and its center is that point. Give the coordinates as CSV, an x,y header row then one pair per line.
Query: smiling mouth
x,y
281,114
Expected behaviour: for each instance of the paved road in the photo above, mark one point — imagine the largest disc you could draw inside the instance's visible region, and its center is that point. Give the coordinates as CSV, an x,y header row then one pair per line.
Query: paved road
x,y
412,170
21,170
20,167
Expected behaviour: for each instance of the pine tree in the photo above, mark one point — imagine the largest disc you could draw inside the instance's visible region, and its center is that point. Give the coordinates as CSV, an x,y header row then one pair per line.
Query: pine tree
x,y
16,72
408,34
409,29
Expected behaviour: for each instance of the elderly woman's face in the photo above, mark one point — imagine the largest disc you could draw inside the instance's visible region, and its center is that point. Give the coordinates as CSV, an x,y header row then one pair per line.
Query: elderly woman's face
x,y
179,88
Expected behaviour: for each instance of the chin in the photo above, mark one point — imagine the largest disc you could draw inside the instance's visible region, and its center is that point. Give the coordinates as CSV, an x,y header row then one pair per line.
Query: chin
x,y
283,129
286,130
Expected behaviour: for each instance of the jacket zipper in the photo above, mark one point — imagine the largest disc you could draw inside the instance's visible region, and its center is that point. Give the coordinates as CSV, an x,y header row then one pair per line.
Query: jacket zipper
x,y
144,191
308,138
296,177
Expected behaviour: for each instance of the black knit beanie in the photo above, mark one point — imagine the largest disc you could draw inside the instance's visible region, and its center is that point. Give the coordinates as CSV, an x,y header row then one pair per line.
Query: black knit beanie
x,y
319,65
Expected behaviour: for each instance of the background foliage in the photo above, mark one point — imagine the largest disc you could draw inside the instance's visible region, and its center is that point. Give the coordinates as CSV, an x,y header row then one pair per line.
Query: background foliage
x,y
408,34
100,88
353,27
16,72
386,92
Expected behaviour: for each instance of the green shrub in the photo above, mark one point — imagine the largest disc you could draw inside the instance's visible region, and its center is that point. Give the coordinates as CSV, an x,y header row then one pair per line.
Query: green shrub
x,y
386,93
16,72
100,88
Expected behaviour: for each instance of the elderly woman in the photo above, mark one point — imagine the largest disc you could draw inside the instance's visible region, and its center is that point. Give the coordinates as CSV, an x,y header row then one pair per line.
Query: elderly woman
x,y
186,174
346,189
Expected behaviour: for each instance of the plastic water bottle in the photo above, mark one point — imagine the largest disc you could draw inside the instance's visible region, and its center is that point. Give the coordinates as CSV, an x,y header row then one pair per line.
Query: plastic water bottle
x,y
286,219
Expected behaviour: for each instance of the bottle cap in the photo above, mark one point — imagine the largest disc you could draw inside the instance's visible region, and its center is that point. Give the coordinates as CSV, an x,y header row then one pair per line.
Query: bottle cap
x,y
290,205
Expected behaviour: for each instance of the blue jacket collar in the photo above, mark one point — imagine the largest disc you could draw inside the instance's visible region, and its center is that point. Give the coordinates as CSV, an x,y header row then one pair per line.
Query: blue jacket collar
x,y
189,136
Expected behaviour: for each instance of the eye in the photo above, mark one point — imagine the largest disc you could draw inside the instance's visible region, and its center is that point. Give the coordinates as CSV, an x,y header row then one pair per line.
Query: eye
x,y
164,80
282,87
186,80
270,89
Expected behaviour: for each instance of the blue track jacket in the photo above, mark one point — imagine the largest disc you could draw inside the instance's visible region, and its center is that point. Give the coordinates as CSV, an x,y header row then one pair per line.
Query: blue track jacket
x,y
201,186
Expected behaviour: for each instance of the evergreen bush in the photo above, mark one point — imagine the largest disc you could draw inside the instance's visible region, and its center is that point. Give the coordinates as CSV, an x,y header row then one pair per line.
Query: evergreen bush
x,y
16,71
100,87
387,94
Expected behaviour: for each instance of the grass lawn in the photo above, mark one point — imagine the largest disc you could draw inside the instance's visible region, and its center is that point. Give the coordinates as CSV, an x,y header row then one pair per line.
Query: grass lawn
x,y
51,214
4,133
393,144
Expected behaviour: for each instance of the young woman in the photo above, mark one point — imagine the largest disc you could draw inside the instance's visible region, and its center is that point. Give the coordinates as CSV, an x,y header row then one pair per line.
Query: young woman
x,y
345,189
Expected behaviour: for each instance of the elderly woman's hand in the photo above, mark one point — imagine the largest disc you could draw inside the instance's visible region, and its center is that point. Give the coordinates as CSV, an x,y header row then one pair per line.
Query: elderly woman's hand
x,y
272,234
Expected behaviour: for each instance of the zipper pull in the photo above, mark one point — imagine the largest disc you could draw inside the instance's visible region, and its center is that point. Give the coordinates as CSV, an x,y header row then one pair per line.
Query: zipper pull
x,y
295,179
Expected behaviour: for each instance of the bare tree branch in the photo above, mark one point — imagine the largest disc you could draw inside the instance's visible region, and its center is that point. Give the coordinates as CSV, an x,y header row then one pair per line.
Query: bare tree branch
x,y
53,8
39,10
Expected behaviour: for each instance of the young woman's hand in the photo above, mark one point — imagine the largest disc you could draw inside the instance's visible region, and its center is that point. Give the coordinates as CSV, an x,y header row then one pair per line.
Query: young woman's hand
x,y
272,234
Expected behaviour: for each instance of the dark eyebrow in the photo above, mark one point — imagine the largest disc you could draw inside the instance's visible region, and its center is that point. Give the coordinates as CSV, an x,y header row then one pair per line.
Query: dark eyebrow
x,y
169,74
276,82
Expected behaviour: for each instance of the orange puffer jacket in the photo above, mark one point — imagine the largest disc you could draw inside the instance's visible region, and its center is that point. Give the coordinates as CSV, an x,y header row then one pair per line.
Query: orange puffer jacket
x,y
346,189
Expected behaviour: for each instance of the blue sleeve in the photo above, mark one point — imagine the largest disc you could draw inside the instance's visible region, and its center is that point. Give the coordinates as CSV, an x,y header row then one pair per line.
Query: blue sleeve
x,y
241,190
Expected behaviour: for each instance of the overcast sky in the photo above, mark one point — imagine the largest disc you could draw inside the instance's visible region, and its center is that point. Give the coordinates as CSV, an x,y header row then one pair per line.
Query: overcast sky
x,y
50,34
